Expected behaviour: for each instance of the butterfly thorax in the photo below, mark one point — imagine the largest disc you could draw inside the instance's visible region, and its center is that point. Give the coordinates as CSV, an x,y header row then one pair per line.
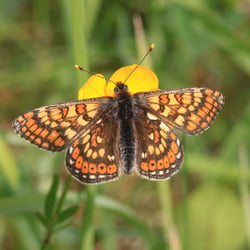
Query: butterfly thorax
x,y
125,116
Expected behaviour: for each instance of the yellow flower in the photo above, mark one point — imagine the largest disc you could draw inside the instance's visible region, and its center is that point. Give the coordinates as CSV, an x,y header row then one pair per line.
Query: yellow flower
x,y
142,79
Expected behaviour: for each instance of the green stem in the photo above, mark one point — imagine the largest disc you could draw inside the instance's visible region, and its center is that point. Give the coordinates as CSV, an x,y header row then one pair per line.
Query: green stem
x,y
64,192
78,12
170,231
185,212
87,237
46,240
79,35
243,162
53,222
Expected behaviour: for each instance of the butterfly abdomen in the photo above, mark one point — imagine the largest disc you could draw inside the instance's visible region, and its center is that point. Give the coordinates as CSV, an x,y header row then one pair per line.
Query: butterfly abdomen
x,y
126,132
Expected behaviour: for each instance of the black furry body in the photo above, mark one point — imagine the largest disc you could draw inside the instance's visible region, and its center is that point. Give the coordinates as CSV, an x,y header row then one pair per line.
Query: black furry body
x,y
126,130
123,114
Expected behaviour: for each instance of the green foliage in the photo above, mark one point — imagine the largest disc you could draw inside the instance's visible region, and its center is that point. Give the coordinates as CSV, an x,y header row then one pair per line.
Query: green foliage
x,y
198,43
54,216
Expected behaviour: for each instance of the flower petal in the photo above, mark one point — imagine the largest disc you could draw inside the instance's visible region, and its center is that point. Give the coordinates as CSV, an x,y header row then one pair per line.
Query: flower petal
x,y
142,79
94,87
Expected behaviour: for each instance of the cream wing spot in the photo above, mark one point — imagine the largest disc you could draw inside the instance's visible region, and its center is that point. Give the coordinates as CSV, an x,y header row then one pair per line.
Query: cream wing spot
x,y
196,104
89,153
53,125
151,117
101,152
56,114
99,139
197,99
81,121
65,124
172,100
111,157
42,114
155,106
161,172
157,151
198,94
173,166
151,136
182,110
180,120
167,110
85,139
92,113
163,143
161,147
71,149
151,149
71,111
70,133
101,176
47,122
178,155
163,134
191,108
44,119
86,148
164,127
94,155
178,142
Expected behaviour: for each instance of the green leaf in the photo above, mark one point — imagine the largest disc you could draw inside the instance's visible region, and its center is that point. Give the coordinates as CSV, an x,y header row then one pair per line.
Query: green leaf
x,y
51,199
63,225
41,218
67,213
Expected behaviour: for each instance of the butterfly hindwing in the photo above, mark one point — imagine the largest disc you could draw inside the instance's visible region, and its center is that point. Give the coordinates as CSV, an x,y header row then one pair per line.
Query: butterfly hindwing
x,y
94,157
54,127
191,110
159,150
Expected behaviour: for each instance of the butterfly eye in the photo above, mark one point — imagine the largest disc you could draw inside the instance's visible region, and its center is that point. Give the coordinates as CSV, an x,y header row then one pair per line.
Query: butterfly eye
x,y
116,90
124,87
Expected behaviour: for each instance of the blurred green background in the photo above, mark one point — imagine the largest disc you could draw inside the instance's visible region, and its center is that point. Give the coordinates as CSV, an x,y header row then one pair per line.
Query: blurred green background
x,y
198,43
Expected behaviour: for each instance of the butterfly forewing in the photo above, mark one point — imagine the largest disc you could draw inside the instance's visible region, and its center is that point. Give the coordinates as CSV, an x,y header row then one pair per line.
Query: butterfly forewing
x,y
191,110
54,127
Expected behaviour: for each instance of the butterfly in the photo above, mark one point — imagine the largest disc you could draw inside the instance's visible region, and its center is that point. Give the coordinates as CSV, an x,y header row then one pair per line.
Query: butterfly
x,y
124,133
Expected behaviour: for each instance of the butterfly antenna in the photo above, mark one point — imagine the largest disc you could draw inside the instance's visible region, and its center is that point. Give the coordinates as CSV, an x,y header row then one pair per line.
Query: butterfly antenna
x,y
140,62
90,73
101,76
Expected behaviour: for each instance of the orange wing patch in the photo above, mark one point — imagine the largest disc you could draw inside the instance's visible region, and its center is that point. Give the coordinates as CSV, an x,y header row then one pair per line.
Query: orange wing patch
x,y
94,157
53,127
160,152
191,110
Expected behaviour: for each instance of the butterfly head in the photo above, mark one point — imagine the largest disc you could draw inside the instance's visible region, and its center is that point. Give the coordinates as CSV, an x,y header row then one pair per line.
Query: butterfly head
x,y
120,88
